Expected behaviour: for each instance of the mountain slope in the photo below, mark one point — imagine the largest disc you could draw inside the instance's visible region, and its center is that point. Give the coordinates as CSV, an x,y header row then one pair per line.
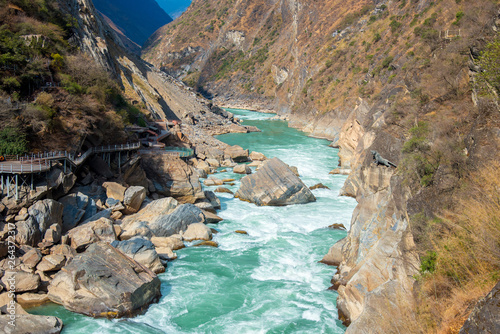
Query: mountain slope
x,y
137,21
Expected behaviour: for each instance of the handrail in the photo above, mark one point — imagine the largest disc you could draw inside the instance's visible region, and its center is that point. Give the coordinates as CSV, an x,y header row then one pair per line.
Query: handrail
x,y
39,162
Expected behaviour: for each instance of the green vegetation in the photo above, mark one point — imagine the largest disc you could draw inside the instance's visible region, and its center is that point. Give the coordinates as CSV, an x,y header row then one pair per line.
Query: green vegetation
x,y
73,95
12,142
489,78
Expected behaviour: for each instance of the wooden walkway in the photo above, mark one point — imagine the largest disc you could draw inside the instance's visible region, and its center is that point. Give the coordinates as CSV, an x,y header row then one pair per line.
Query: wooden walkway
x,y
42,162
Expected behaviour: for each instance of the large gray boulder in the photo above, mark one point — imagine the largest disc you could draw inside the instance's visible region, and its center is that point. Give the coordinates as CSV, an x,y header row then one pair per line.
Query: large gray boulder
x,y
103,282
28,232
485,317
30,324
274,184
84,235
74,209
138,223
142,251
177,221
46,213
133,198
173,177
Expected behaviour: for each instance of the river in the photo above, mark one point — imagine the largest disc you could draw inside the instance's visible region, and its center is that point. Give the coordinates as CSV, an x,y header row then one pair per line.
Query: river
x,y
268,281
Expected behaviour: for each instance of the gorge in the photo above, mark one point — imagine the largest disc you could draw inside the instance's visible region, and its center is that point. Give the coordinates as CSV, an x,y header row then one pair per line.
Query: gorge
x,y
411,80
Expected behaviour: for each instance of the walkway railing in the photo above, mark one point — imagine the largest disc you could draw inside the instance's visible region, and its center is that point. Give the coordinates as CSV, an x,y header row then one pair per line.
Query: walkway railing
x,y
41,162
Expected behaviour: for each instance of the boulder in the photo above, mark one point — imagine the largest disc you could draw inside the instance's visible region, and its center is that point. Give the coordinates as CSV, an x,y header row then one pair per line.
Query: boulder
x,y
197,231
173,242
204,166
29,299
485,317
337,226
90,210
274,184
213,163
21,281
241,232
228,163
223,190
209,243
202,174
318,186
173,177
137,224
242,169
133,198
65,250
114,190
53,234
46,213
177,221
103,282
112,203
60,183
73,209
31,324
141,250
166,253
214,200
51,262
213,181
84,235
28,232
8,305
211,218
236,153
31,258
205,206
257,156
334,255
136,228
133,174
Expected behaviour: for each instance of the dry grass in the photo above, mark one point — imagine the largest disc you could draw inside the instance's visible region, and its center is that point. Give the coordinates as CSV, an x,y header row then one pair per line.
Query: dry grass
x,y
468,252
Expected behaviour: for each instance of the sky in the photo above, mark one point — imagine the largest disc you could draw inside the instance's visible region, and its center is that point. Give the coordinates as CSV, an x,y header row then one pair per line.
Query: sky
x,y
174,8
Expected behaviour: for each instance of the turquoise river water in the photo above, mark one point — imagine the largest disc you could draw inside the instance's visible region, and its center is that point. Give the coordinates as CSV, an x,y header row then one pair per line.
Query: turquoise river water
x,y
268,281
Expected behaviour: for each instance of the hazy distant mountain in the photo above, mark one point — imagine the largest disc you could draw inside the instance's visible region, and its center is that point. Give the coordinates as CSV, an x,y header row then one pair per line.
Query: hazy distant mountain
x,y
174,7
137,20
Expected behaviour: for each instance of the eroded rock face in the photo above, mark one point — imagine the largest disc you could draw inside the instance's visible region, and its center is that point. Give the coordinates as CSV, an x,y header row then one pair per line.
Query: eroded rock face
x,y
103,282
485,318
173,177
274,184
379,259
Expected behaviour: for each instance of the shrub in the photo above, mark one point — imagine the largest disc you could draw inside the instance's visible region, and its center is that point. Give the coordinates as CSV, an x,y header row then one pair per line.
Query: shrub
x,y
12,141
